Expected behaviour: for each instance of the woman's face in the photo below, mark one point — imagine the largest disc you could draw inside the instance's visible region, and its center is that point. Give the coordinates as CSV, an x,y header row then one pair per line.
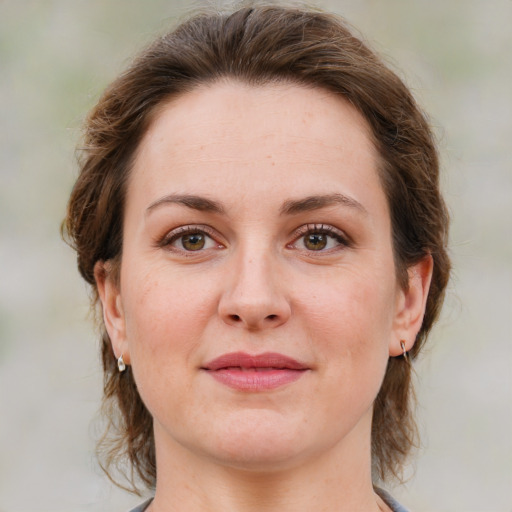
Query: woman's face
x,y
258,302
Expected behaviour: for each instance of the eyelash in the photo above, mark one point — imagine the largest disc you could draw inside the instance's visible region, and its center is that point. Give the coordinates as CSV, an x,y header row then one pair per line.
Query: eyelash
x,y
308,229
321,229
173,236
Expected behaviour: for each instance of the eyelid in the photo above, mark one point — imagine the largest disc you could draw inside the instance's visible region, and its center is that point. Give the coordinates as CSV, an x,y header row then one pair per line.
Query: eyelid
x,y
343,239
171,236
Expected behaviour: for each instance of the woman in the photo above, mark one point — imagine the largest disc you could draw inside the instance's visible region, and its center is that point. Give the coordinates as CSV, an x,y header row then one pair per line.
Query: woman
x,y
258,213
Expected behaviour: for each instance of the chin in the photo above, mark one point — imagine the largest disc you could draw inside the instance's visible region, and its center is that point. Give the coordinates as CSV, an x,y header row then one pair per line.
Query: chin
x,y
254,459
257,444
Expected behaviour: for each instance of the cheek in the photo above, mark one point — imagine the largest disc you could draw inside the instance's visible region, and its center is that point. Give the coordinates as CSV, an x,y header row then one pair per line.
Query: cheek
x,y
165,316
164,322
350,303
351,319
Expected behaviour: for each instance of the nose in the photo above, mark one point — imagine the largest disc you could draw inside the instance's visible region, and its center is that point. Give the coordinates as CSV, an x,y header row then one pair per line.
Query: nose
x,y
254,297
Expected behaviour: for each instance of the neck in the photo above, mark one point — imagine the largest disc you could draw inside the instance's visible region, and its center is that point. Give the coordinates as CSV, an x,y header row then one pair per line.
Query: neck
x,y
339,479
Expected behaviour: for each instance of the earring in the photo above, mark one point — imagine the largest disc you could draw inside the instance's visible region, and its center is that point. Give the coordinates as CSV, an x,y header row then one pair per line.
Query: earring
x,y
120,364
404,352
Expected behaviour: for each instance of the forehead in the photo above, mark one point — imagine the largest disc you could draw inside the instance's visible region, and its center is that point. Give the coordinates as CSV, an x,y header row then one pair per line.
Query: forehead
x,y
269,133
250,111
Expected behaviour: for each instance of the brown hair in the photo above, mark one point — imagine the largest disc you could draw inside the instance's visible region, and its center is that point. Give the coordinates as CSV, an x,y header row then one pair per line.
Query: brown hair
x,y
258,45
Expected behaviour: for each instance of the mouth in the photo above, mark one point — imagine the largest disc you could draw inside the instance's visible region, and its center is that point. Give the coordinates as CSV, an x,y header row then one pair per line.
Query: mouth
x,y
253,373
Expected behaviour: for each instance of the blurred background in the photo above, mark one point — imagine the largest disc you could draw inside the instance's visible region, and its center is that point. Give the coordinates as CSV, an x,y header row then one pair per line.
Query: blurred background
x,y
55,59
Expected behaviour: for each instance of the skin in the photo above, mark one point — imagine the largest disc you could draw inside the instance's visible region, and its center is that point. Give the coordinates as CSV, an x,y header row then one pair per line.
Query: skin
x,y
257,286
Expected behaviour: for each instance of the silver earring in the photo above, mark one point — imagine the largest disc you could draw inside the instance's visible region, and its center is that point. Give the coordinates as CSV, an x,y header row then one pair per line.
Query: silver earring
x,y
120,364
404,352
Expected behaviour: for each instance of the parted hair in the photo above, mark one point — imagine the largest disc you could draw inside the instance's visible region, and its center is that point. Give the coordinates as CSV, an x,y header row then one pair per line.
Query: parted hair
x,y
258,45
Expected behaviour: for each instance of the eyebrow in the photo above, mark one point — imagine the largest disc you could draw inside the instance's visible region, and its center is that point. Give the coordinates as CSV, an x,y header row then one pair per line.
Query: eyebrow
x,y
194,202
290,207
310,203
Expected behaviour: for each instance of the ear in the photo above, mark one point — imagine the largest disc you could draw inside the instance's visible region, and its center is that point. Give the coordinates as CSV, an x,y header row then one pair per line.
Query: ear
x,y
113,314
410,306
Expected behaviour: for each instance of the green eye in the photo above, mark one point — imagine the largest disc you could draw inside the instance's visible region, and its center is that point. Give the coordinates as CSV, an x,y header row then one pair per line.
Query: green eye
x,y
193,241
315,241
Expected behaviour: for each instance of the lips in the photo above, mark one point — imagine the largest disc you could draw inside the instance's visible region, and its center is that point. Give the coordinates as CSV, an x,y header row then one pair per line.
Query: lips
x,y
245,372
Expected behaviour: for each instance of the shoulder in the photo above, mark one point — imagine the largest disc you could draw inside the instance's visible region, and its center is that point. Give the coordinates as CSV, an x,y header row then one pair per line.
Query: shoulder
x,y
143,506
390,501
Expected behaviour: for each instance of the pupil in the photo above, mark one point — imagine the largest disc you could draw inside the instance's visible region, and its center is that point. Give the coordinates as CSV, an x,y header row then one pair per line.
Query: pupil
x,y
316,241
193,242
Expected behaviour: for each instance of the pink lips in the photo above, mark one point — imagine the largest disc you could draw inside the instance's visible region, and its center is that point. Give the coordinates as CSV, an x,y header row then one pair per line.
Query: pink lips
x,y
262,372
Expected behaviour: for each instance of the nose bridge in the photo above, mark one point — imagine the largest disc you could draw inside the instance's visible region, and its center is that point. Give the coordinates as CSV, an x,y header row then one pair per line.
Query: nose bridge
x,y
254,296
256,275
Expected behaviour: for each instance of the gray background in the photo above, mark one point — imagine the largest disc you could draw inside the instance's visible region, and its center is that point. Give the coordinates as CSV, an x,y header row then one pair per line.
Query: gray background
x,y
55,58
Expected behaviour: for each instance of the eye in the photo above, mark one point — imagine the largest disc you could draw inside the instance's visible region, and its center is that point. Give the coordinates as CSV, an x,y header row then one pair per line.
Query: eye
x,y
315,241
320,237
193,241
190,239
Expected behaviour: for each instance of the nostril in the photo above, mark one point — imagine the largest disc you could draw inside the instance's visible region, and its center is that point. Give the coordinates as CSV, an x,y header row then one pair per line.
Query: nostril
x,y
271,317
235,318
